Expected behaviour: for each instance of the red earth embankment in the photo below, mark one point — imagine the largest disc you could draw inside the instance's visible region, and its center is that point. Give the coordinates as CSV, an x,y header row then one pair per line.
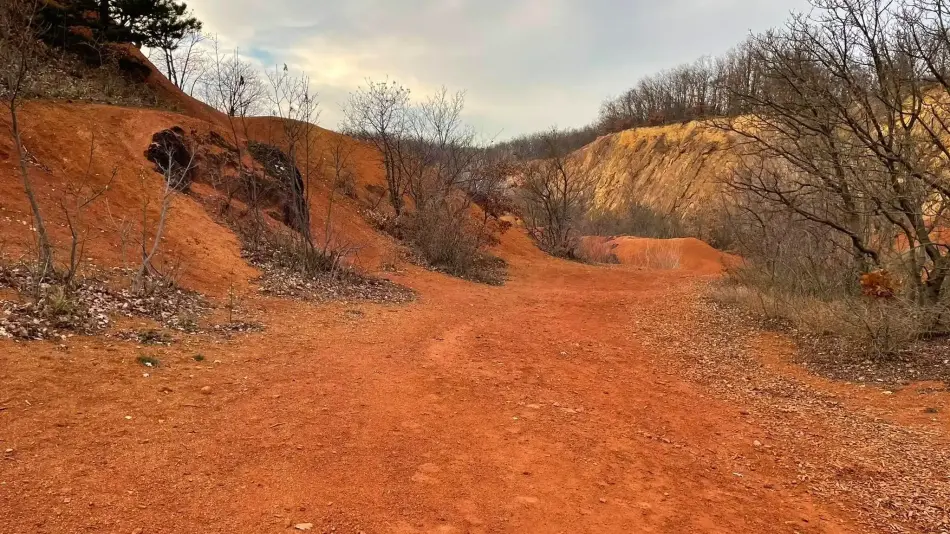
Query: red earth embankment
x,y
688,254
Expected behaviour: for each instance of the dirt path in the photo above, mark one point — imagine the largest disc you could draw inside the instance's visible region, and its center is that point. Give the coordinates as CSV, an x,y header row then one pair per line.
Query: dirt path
x,y
554,404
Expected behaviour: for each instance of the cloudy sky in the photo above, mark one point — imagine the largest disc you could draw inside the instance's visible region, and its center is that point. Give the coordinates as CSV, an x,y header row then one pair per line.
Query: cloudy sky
x,y
525,64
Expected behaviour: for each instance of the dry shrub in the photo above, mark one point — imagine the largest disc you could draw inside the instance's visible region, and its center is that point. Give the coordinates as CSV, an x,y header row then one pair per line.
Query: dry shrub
x,y
803,275
877,327
290,251
277,247
593,250
660,255
448,239
637,220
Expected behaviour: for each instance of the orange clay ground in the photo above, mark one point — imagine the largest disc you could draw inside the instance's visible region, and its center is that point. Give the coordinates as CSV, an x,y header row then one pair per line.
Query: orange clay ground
x,y
576,398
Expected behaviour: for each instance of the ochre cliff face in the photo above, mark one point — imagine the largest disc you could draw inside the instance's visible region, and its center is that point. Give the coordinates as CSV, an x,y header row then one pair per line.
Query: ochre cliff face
x,y
677,168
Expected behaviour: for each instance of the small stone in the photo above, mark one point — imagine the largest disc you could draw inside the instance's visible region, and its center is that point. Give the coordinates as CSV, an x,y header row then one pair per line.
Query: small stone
x,y
603,500
206,390
304,526
757,443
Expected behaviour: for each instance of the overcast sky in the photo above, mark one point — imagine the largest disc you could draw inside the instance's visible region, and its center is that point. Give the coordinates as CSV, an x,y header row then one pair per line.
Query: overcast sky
x,y
524,64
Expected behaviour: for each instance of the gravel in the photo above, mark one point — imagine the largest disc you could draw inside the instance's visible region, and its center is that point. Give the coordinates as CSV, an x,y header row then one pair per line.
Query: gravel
x,y
897,475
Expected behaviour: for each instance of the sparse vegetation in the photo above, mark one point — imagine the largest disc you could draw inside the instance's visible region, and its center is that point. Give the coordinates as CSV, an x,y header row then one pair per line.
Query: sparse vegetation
x,y
636,220
841,169
554,197
432,157
595,250
837,201
147,361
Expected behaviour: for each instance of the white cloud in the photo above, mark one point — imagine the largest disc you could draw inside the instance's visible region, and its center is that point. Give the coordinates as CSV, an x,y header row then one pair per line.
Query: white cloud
x,y
525,64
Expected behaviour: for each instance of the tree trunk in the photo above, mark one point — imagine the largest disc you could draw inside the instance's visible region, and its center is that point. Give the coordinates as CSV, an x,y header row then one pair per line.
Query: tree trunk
x,y
45,248
105,19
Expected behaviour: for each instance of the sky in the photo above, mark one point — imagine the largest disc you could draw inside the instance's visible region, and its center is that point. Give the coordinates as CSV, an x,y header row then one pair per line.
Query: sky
x,y
525,65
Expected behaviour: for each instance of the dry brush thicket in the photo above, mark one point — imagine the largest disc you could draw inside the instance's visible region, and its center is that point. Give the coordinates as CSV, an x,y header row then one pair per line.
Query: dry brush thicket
x,y
839,193
435,169
831,140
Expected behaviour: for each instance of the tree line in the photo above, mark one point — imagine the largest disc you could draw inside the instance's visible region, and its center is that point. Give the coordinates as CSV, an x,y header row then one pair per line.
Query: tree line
x,y
840,127
706,88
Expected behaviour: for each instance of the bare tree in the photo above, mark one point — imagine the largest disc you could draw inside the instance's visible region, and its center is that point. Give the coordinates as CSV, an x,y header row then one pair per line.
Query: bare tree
x,y
77,196
379,114
185,61
341,174
294,102
232,85
442,151
848,132
688,92
175,176
18,50
555,194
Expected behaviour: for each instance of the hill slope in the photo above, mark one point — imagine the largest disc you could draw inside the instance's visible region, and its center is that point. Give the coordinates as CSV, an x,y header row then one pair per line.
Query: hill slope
x,y
676,168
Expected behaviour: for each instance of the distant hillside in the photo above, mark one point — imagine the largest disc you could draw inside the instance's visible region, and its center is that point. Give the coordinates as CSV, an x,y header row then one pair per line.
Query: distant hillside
x,y
671,169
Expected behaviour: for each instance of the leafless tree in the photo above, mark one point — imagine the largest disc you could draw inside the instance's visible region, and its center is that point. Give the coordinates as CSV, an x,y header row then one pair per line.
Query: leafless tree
x,y
77,196
18,51
175,176
185,61
293,101
442,151
431,156
232,85
555,193
340,171
848,132
688,92
380,114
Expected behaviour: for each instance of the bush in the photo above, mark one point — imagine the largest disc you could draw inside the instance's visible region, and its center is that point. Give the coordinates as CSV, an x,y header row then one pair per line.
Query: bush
x,y
287,250
876,327
448,239
637,220
595,250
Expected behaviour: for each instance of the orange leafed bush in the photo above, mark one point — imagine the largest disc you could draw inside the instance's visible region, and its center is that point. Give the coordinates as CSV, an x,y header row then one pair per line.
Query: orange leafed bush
x,y
879,284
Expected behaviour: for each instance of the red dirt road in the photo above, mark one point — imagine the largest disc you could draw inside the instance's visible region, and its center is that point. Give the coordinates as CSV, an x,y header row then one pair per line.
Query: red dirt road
x,y
553,404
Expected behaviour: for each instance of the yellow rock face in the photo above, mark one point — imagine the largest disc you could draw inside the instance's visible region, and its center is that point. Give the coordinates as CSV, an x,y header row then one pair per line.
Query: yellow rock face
x,y
670,168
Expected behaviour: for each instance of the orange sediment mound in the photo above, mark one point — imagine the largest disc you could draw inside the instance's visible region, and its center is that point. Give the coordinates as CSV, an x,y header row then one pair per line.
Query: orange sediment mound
x,y
689,254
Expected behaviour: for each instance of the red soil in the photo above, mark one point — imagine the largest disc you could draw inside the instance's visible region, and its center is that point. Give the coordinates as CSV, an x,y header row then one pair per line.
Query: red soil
x,y
556,403
688,254
536,407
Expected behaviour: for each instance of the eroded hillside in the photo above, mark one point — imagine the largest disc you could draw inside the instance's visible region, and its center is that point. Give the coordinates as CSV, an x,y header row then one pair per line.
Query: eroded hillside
x,y
672,169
